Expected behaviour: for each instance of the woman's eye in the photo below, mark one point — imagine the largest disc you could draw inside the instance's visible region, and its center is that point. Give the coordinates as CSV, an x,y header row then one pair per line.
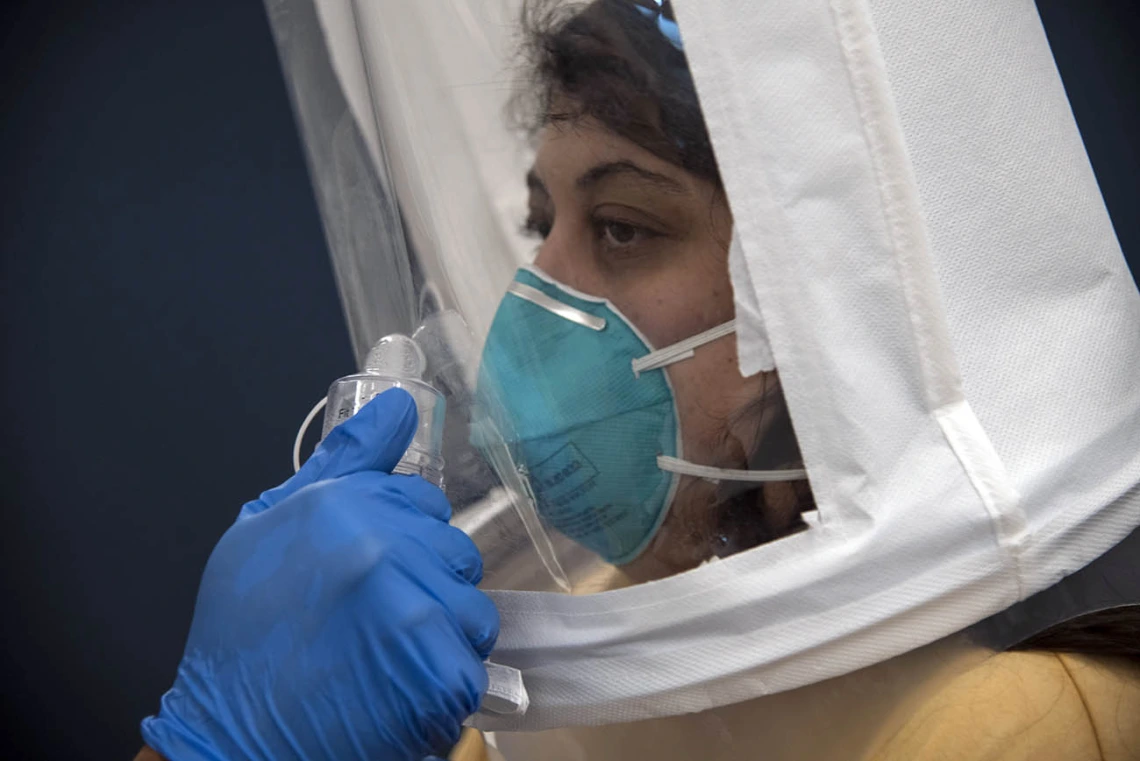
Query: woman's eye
x,y
617,234
620,233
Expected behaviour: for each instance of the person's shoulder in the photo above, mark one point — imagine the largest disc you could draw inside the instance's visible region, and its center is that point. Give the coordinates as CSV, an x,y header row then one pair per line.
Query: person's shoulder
x,y
1027,705
1110,690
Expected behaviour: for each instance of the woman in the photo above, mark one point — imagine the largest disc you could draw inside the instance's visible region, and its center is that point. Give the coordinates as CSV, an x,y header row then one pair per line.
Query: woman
x,y
627,199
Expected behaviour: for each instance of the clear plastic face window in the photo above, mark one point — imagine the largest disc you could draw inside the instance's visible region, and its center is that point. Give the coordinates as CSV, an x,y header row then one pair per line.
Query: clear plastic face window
x,y
549,245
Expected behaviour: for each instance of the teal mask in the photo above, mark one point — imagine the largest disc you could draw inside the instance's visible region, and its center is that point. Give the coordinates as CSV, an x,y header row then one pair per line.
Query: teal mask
x,y
588,414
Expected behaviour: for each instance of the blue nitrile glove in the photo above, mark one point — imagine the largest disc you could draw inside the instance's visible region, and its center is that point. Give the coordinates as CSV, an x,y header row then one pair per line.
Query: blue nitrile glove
x,y
337,618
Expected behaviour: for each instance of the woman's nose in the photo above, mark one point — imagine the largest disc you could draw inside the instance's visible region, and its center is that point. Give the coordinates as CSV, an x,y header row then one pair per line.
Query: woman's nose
x,y
552,258
567,259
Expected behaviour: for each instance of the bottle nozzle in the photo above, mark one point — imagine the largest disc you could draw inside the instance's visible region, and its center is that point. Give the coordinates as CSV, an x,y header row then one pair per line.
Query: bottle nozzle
x,y
396,356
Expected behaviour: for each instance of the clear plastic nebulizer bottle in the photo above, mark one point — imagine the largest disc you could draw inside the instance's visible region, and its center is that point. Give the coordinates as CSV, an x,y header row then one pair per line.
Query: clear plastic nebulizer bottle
x,y
396,361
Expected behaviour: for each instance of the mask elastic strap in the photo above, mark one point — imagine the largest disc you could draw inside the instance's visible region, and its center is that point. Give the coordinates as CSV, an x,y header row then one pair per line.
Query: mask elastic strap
x,y
709,473
680,350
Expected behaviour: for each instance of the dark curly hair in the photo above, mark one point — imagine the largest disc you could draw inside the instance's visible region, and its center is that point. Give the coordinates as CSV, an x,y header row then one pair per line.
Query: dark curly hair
x,y
609,61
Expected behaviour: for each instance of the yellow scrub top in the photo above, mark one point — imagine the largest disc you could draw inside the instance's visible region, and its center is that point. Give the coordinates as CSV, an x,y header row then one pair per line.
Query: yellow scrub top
x,y
1033,706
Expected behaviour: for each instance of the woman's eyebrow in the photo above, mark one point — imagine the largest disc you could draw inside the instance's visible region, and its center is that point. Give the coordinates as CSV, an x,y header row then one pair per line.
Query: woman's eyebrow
x,y
602,171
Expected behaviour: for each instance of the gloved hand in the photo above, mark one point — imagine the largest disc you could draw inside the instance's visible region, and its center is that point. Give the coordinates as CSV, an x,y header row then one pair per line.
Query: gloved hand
x,y
337,618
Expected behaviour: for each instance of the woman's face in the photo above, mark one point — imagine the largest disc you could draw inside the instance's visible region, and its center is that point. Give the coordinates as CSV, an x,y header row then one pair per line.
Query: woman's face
x,y
620,223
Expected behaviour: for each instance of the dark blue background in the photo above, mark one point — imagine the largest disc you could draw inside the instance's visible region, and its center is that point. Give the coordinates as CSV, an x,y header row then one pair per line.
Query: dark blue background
x,y
170,314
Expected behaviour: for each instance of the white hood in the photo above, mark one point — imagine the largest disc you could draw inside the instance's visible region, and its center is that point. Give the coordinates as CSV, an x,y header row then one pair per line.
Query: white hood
x,y
923,250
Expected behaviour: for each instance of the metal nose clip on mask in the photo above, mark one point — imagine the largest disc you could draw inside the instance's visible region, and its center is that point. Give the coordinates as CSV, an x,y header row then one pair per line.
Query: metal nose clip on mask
x,y
396,361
